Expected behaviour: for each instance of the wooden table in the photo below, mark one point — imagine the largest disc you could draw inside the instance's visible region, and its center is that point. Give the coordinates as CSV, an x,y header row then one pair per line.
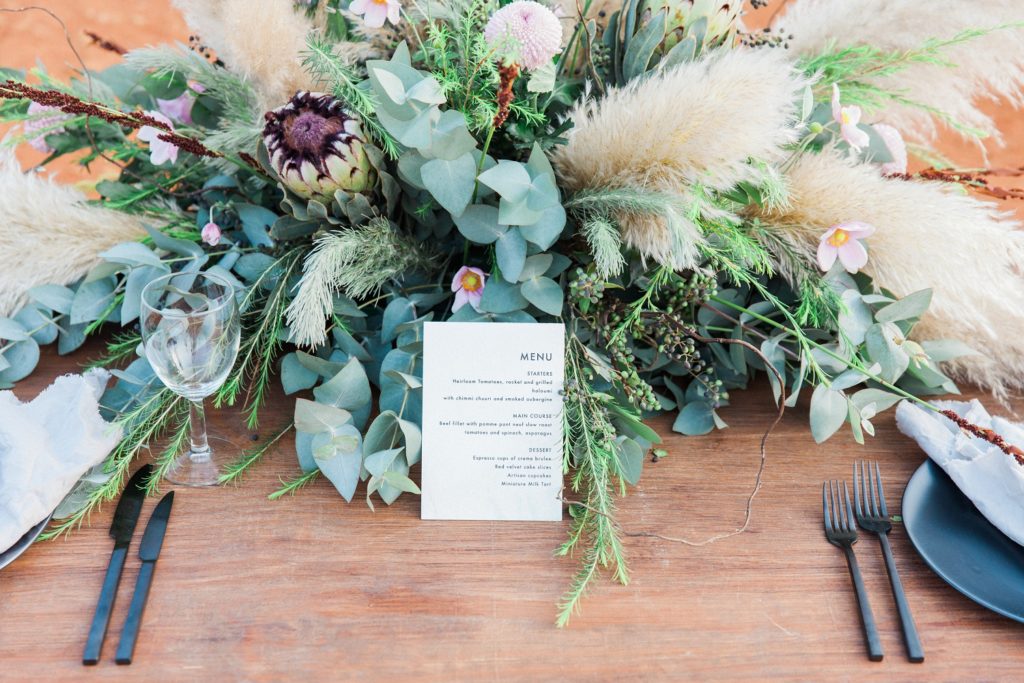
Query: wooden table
x,y
309,588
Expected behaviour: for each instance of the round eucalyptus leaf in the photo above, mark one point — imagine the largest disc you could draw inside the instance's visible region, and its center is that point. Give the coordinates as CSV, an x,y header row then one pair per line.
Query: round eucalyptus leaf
x,y
545,294
295,376
13,330
502,297
829,411
43,329
339,455
22,356
695,419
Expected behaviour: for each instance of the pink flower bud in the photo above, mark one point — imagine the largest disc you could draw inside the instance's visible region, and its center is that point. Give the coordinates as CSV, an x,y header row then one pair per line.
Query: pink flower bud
x,y
211,234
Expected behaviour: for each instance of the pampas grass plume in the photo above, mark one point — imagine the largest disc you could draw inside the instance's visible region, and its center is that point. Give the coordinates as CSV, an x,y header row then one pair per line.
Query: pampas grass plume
x,y
990,67
929,235
50,233
693,128
261,40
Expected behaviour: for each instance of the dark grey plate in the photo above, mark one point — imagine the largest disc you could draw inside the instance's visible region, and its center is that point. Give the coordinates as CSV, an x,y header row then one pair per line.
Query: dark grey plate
x,y
9,555
960,545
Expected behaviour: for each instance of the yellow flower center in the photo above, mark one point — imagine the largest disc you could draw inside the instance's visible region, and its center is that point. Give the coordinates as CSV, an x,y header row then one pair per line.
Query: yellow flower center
x,y
471,282
845,116
839,238
380,2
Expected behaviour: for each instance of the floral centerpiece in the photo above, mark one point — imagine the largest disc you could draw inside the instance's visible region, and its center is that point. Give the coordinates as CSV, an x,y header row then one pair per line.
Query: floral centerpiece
x,y
697,202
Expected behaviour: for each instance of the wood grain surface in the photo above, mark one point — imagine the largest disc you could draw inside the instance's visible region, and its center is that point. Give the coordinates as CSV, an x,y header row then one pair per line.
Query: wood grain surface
x,y
309,588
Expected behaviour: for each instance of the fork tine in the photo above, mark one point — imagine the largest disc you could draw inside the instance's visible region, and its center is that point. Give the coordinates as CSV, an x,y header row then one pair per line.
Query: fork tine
x,y
857,485
851,525
832,507
869,488
881,490
839,511
825,504
875,488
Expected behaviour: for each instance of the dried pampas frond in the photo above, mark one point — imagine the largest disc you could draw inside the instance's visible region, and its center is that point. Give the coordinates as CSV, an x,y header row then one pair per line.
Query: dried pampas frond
x,y
929,235
991,67
261,40
605,244
50,233
358,261
704,125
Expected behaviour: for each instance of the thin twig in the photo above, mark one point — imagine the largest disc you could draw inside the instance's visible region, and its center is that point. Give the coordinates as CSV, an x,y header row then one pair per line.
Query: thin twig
x,y
748,515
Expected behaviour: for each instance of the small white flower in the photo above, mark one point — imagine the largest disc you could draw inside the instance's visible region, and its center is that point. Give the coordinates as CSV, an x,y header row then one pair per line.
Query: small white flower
x,y
159,150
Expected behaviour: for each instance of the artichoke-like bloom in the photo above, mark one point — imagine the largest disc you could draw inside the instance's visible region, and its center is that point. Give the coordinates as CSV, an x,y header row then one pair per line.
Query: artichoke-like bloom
x,y
317,147
721,15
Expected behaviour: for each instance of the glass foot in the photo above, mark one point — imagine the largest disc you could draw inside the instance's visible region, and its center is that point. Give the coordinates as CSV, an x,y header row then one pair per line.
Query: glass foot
x,y
204,470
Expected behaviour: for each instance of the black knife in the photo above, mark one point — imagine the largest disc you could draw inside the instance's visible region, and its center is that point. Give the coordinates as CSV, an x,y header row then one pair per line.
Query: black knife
x,y
125,517
149,551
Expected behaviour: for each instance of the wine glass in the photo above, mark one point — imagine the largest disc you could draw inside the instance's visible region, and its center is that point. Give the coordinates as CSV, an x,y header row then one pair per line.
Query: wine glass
x,y
190,332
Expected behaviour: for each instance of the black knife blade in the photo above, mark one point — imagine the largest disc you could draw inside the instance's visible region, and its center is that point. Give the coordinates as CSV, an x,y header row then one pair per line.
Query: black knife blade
x,y
126,515
149,551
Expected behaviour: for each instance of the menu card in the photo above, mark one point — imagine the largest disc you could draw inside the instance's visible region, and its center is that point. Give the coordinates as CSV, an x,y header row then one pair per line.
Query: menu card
x,y
492,421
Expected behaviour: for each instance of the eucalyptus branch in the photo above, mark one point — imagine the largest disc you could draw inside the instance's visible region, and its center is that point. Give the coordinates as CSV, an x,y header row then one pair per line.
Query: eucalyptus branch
x,y
851,363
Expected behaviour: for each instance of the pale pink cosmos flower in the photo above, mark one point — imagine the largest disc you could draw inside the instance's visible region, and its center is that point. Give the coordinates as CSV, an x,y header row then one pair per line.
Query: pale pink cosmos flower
x,y
897,149
159,150
528,32
468,285
211,234
848,118
376,12
37,128
842,241
180,108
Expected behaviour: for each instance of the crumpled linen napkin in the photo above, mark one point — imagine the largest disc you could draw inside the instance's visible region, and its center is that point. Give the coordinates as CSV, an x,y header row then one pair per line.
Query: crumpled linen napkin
x,y
46,445
989,477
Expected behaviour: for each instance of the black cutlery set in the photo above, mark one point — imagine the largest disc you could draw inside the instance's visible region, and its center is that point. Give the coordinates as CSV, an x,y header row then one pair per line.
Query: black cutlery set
x,y
121,530
870,513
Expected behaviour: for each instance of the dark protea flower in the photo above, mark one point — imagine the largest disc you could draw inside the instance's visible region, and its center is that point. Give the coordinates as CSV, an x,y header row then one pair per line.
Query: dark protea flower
x,y
317,147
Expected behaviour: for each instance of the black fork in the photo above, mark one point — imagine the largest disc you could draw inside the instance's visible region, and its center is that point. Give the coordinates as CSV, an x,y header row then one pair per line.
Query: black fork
x,y
873,516
841,531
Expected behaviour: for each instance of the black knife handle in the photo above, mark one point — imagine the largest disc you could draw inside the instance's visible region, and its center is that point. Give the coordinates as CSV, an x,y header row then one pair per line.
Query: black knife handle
x,y
133,623
101,619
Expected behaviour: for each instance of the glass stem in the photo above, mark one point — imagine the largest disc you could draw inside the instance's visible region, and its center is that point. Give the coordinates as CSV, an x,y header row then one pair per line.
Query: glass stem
x,y
197,431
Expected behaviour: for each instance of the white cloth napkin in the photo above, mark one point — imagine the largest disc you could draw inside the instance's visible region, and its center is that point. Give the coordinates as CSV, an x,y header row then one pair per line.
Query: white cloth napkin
x,y
989,477
46,445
